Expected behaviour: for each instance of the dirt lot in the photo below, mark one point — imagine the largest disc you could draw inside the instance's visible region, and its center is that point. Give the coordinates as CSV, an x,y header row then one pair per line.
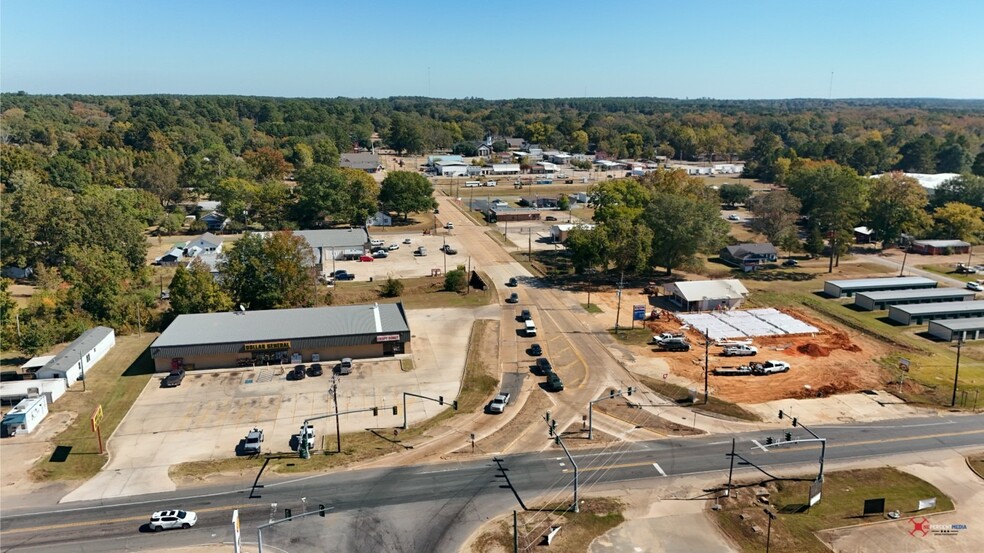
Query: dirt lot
x,y
829,363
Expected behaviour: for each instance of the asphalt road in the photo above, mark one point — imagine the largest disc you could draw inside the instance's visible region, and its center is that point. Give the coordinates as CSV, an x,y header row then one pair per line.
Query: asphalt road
x,y
436,507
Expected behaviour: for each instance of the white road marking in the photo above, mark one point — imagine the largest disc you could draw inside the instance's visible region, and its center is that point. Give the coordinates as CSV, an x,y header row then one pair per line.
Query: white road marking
x,y
719,443
659,469
760,446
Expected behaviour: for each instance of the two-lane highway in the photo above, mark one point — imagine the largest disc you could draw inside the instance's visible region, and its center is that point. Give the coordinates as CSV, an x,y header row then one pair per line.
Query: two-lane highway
x,y
435,507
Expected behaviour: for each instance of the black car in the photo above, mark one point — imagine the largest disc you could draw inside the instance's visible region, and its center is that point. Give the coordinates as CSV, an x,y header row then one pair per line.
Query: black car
x,y
298,373
174,379
512,282
315,370
554,383
543,366
536,350
790,263
513,298
525,315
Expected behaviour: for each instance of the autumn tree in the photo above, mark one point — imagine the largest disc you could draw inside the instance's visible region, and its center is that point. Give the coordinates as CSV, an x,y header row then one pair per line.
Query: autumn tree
x,y
406,192
158,174
268,163
269,273
733,194
897,206
775,214
956,220
195,290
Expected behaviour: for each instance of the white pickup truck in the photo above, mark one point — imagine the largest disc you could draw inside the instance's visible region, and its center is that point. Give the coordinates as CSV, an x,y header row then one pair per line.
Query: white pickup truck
x,y
770,367
499,402
739,350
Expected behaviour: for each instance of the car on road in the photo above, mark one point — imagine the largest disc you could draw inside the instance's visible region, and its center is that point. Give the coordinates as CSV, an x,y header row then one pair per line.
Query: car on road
x,y
393,246
554,383
975,286
512,282
770,367
253,444
365,258
167,520
525,315
790,263
342,274
380,254
734,217
543,366
513,298
174,379
315,370
449,225
499,402
550,218
536,350
298,373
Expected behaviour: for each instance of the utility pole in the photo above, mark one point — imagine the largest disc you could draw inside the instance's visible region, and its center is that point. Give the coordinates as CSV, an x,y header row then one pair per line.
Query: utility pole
x,y
768,537
904,256
707,346
334,396
611,395
552,429
731,469
618,310
530,252
956,373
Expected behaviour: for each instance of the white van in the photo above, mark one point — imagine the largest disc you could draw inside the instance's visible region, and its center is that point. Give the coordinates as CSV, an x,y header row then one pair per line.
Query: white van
x,y
530,328
490,183
472,184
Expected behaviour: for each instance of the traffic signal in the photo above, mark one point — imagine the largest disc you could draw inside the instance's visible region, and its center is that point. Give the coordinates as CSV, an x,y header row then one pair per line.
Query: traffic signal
x,y
794,422
547,416
550,429
769,440
631,389
780,414
395,410
286,513
557,439
375,411
789,436
455,405
611,394
321,509
440,399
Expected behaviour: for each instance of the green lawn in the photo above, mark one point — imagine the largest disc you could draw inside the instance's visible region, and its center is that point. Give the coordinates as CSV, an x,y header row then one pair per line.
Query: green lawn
x,y
950,271
844,493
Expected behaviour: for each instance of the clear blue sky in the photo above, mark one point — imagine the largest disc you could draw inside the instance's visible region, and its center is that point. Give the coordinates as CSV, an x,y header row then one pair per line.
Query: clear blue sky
x,y
496,49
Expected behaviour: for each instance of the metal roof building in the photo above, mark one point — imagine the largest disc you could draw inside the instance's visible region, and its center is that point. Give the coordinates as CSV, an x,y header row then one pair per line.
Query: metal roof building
x,y
75,360
871,301
704,295
279,336
967,329
839,288
921,312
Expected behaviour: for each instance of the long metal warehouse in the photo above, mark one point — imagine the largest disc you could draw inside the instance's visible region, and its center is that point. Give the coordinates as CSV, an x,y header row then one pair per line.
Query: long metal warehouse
x,y
922,312
967,329
871,301
839,288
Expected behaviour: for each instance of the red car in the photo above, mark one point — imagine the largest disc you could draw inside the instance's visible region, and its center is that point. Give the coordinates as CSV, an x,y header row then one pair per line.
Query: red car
x,y
365,258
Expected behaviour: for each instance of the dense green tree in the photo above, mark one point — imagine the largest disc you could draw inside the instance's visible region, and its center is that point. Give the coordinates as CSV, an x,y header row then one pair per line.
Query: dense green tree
x,y
8,313
331,196
406,192
579,142
959,221
32,218
99,281
195,290
65,172
733,194
17,158
158,174
978,167
897,206
919,155
405,135
325,152
456,280
953,158
968,189
775,214
269,273
586,247
681,227
835,199
23,177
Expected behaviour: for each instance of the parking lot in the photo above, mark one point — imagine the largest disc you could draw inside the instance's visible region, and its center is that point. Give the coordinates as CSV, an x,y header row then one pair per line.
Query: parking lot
x,y
402,263
210,412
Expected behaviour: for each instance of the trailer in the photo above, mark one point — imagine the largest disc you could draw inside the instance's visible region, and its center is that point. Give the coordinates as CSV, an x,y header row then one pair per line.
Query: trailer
x,y
743,370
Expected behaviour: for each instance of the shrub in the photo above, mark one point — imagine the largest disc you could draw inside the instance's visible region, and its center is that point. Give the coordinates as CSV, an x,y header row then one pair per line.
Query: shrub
x,y
393,288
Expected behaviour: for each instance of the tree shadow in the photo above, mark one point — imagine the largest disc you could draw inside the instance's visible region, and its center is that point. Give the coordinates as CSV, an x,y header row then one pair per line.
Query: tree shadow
x,y
772,275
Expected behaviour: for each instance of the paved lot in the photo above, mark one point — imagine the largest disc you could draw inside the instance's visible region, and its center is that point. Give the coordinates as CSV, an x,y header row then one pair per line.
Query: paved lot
x,y
402,263
207,416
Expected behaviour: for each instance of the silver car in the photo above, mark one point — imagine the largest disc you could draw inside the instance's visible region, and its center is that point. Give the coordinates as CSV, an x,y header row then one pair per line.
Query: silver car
x,y
166,520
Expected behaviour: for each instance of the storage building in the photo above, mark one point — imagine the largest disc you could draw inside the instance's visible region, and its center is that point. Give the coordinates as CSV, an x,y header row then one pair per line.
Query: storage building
x,y
75,360
705,295
872,301
25,416
940,247
966,329
839,288
11,393
922,312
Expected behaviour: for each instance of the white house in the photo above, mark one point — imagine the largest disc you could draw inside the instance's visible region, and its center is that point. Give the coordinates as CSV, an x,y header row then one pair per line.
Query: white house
x,y
545,167
705,295
25,416
451,168
12,393
207,242
73,361
505,169
380,219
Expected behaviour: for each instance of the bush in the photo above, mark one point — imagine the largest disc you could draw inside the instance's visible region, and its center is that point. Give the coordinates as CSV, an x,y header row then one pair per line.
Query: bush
x,y
456,280
393,288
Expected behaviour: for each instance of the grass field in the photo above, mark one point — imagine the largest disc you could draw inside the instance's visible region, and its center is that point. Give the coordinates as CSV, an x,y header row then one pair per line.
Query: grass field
x,y
949,271
418,293
596,516
477,384
841,505
681,395
114,382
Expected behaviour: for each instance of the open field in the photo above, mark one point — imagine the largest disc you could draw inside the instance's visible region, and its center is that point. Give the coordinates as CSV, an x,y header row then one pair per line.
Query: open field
x,y
418,293
743,520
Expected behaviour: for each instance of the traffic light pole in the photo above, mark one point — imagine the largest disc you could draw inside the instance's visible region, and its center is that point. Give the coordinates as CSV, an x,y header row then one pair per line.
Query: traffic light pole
x,y
303,448
823,441
439,399
552,429
611,395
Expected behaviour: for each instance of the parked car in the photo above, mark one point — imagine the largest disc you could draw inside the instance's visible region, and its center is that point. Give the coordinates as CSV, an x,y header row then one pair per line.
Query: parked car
x,y
512,282
536,350
770,367
166,295
298,373
254,442
380,254
554,383
550,218
513,298
407,241
446,248
674,344
393,246
790,263
166,520
306,435
174,379
525,315
734,217
498,403
365,258
975,286
543,366
449,225
345,366
342,274
739,350
315,370
420,251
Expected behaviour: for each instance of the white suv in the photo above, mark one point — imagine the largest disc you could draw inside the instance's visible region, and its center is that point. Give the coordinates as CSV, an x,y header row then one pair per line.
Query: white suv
x,y
166,520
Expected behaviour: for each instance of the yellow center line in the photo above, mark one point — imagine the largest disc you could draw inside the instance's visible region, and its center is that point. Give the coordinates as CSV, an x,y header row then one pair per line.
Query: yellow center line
x,y
122,519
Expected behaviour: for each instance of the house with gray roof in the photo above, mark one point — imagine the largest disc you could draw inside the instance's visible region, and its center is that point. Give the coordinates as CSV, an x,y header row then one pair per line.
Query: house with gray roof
x,y
749,256
335,243
363,161
75,360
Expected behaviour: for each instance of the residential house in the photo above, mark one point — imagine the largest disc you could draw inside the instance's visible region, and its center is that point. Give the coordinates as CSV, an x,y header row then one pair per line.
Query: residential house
x,y
749,256
380,219
207,242
515,144
211,261
544,167
484,150
503,214
363,161
215,221
863,235
559,233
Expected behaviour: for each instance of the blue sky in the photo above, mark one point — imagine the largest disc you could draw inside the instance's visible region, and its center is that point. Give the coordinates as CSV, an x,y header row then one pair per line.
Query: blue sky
x,y
495,49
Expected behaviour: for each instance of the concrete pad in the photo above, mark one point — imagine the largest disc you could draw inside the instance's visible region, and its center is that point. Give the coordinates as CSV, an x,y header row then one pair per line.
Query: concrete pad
x,y
207,416
845,408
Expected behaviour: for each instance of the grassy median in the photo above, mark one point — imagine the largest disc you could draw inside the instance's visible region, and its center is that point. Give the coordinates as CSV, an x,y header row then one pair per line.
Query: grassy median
x,y
596,517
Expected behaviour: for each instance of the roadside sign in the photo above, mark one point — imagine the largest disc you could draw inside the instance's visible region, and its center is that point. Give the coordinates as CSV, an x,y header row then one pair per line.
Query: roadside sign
x,y
236,531
638,312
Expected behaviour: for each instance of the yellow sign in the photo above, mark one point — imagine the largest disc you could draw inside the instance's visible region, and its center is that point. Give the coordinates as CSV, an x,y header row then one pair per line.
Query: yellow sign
x,y
261,346
97,417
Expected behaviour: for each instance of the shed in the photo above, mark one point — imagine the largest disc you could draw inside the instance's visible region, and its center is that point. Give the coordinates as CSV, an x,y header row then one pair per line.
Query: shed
x,y
559,233
839,288
12,393
25,416
863,235
80,355
922,312
966,329
171,258
939,247
496,214
705,295
872,301
505,168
